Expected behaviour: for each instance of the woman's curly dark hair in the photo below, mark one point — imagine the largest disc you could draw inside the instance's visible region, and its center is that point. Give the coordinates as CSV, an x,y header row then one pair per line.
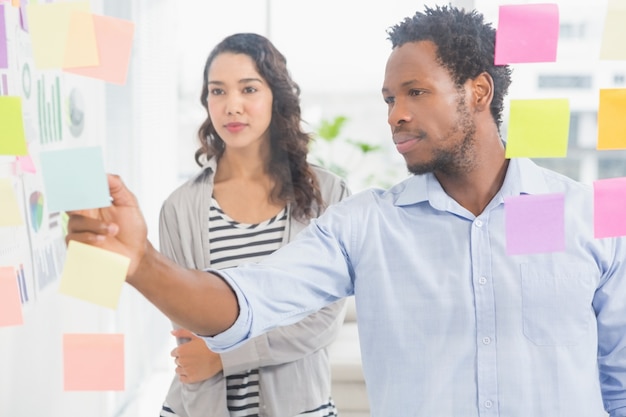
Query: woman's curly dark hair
x,y
288,166
465,46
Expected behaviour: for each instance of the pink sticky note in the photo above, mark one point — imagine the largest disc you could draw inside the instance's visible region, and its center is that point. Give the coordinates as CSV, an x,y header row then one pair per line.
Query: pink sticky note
x,y
10,304
93,362
26,164
527,33
534,223
609,219
114,38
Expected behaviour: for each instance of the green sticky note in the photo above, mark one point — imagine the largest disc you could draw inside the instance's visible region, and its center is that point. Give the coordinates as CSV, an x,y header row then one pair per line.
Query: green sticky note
x,y
12,138
538,128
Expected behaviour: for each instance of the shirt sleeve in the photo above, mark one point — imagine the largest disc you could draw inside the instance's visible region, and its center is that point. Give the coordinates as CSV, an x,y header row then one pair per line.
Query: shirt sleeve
x,y
303,277
287,343
610,306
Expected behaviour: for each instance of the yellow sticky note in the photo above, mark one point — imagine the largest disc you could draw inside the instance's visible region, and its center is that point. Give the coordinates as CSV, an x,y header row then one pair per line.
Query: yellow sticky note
x,y
611,121
9,208
12,138
93,274
49,25
612,47
81,48
93,362
538,128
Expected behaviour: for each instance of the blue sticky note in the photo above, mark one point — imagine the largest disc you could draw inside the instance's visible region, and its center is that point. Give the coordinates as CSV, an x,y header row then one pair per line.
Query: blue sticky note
x,y
534,223
75,179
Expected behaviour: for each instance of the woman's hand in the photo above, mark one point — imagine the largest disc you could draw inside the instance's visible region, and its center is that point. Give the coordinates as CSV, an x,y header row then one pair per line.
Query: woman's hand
x,y
194,361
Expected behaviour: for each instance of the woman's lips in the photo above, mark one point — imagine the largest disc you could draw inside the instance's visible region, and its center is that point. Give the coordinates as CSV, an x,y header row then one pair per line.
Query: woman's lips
x,y
235,127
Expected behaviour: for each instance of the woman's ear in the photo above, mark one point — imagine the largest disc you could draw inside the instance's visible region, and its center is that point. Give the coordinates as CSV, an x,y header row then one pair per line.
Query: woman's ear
x,y
482,87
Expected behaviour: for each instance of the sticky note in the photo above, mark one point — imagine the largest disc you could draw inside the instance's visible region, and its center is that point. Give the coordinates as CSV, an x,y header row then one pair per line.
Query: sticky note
x,y
93,274
49,25
614,33
534,223
12,138
527,33
75,179
609,197
114,38
10,304
4,55
10,214
538,128
26,164
93,362
611,120
81,48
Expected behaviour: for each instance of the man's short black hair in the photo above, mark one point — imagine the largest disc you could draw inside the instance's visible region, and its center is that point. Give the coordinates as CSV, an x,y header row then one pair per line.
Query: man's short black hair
x,y
465,46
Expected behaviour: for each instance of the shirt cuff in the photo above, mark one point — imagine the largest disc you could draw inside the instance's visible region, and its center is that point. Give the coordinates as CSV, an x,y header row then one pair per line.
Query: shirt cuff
x,y
240,330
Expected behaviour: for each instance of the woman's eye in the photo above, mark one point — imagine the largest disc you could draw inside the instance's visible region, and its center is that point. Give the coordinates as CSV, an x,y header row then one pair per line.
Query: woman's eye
x,y
248,90
216,91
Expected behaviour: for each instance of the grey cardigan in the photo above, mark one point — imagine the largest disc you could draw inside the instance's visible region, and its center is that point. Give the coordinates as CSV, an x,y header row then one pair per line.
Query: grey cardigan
x,y
293,362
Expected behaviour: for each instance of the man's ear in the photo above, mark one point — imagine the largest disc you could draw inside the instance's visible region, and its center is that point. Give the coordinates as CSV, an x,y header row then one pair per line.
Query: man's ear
x,y
482,88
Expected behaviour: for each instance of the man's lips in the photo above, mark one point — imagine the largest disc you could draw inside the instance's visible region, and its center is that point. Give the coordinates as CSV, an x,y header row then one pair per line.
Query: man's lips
x,y
404,142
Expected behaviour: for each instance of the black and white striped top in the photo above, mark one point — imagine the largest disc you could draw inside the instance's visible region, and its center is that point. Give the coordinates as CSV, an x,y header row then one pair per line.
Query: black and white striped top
x,y
232,243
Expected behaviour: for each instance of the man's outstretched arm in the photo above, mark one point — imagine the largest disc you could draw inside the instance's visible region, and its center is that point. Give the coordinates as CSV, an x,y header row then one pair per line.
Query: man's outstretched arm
x,y
201,302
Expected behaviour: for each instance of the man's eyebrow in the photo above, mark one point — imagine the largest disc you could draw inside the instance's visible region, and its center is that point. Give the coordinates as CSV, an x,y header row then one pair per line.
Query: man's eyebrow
x,y
403,85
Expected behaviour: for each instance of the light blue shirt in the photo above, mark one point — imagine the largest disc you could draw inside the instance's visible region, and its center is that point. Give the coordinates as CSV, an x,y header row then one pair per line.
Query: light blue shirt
x,y
451,325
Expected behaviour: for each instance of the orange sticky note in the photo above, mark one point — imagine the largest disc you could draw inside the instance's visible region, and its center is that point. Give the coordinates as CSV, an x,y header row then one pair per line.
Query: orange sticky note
x,y
81,48
49,25
93,274
114,38
611,121
10,304
93,362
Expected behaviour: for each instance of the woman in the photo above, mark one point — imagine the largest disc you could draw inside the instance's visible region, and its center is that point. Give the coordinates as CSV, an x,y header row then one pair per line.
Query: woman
x,y
255,192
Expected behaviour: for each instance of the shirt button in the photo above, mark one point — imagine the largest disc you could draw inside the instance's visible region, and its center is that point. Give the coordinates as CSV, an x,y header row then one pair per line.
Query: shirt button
x,y
478,223
482,280
488,404
486,340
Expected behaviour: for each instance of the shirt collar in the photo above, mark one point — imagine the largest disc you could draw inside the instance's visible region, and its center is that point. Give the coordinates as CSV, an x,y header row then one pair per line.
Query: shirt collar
x,y
522,177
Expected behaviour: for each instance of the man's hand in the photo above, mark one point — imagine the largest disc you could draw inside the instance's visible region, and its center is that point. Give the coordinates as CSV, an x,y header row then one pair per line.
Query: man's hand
x,y
120,228
194,361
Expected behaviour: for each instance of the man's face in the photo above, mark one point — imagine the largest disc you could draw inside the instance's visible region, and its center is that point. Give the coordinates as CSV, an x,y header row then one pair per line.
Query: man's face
x,y
431,124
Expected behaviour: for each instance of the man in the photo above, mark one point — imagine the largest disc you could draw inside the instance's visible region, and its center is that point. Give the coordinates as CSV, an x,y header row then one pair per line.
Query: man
x,y
450,324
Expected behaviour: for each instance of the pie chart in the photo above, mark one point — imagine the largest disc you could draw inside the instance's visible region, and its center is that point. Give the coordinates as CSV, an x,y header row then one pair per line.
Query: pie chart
x,y
36,210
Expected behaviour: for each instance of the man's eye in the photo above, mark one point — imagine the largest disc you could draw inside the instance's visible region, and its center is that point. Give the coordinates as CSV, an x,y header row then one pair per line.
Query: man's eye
x,y
415,92
389,100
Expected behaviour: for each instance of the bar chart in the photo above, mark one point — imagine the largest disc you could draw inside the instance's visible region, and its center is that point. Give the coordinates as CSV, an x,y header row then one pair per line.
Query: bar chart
x,y
49,109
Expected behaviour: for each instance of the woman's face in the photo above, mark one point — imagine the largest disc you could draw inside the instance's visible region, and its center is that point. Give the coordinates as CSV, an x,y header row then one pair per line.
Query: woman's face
x,y
239,101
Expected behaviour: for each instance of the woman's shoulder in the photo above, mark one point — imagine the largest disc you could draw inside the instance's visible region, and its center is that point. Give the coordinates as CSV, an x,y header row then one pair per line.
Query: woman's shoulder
x,y
190,189
325,176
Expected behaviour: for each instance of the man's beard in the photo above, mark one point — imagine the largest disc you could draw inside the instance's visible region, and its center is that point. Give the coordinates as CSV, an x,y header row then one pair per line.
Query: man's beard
x,y
458,159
